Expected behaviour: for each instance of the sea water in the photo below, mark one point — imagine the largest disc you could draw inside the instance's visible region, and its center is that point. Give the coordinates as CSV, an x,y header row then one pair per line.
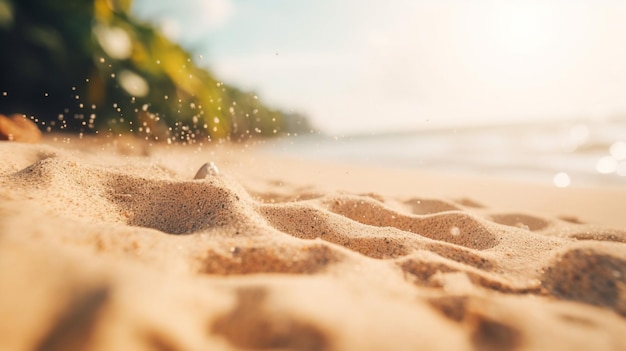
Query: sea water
x,y
586,153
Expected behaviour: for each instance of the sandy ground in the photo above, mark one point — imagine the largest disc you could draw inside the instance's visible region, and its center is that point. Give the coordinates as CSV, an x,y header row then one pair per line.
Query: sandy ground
x,y
113,245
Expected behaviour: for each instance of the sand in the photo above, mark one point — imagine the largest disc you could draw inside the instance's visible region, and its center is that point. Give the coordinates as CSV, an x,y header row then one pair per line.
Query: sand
x,y
113,245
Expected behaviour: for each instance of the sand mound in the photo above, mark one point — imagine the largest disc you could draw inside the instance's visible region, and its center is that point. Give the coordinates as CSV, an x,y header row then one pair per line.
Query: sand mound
x,y
101,250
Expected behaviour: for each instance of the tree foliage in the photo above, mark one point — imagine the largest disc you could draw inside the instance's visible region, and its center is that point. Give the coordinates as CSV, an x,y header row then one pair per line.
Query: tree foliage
x,y
89,66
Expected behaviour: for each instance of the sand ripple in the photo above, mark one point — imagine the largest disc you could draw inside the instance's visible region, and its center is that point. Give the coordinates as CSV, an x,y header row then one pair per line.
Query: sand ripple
x,y
158,260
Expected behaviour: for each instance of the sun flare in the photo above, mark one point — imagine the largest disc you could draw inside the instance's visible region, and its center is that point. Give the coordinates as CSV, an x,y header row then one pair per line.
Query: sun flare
x,y
516,48
522,28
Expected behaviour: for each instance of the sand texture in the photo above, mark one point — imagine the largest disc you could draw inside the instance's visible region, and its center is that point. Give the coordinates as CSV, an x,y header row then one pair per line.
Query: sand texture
x,y
115,246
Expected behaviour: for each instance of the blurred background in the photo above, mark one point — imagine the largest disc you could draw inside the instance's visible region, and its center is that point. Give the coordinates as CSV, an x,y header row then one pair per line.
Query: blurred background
x,y
92,66
534,90
359,66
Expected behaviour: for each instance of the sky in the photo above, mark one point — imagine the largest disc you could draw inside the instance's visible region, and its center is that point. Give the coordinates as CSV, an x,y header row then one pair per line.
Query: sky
x,y
358,66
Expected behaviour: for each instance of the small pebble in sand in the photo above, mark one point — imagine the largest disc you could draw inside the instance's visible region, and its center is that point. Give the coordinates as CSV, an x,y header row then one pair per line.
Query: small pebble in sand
x,y
207,169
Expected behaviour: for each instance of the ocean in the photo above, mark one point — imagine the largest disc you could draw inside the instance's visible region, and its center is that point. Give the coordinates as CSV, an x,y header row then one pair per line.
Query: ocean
x,y
574,153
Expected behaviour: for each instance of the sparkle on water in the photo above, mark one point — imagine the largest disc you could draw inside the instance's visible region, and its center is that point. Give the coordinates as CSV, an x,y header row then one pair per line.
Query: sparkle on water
x,y
561,180
606,165
618,150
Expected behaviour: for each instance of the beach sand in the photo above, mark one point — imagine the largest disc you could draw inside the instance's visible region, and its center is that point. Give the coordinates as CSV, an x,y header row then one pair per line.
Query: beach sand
x,y
113,245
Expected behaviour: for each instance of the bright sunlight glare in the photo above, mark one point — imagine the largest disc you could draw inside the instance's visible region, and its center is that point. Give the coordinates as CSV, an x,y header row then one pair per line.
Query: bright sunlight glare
x,y
356,66
523,28
519,48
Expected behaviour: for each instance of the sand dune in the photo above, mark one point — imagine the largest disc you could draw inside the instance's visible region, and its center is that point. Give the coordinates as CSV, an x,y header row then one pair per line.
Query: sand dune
x,y
116,246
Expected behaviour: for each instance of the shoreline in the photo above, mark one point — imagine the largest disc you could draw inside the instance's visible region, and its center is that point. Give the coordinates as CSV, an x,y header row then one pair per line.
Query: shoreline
x,y
253,164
